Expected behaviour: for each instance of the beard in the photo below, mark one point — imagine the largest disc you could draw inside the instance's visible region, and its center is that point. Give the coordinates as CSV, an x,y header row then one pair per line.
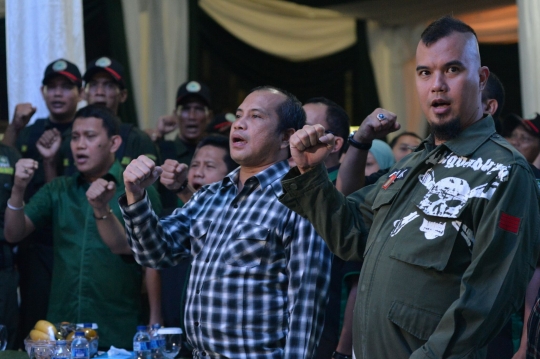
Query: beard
x,y
446,131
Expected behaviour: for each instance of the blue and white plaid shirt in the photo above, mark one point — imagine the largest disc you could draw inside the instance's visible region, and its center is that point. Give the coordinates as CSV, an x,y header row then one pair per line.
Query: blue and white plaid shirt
x,y
260,272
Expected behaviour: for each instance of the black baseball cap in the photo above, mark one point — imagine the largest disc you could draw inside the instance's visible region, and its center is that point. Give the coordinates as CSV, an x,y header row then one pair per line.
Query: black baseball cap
x,y
221,123
193,88
532,126
65,68
113,67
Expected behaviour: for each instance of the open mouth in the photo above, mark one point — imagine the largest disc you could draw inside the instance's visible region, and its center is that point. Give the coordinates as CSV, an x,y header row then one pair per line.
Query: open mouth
x,y
80,158
440,103
57,104
237,139
197,186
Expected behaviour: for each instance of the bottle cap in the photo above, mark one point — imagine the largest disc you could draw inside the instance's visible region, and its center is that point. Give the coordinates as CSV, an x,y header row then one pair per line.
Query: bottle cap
x,y
87,325
170,331
156,326
61,342
79,334
141,327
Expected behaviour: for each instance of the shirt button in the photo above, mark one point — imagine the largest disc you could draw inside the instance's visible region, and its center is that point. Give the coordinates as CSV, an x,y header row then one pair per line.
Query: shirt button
x,y
196,324
235,206
294,186
198,292
207,260
203,353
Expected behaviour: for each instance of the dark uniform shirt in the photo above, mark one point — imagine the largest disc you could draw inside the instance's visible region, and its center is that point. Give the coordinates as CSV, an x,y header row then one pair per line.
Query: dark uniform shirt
x,y
453,240
90,283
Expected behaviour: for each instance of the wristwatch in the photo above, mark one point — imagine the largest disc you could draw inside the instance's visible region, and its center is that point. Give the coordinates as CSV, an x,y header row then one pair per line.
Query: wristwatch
x,y
338,355
356,144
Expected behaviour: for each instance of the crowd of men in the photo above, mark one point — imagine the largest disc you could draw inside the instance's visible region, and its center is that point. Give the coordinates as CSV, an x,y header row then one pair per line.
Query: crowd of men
x,y
274,232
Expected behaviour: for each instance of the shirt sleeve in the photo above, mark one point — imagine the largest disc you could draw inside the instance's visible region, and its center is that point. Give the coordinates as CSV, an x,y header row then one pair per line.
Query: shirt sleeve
x,y
308,269
40,207
493,287
341,221
156,243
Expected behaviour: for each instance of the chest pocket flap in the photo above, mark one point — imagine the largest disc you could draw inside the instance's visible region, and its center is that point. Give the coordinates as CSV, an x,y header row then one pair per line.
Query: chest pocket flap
x,y
197,231
248,245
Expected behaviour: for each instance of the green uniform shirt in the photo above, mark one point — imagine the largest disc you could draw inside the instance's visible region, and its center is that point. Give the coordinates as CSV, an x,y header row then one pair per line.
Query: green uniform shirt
x,y
90,283
8,158
452,240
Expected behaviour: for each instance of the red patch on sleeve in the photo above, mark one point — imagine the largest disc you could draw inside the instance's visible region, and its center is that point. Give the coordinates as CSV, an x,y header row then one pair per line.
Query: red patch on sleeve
x,y
509,223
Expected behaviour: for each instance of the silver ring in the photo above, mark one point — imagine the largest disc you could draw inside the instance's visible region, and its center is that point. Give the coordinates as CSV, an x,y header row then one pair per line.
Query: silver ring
x,y
381,116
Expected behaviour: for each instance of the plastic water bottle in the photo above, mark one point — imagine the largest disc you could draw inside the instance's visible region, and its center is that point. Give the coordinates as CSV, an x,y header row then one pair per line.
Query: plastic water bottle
x,y
60,350
79,347
141,343
156,341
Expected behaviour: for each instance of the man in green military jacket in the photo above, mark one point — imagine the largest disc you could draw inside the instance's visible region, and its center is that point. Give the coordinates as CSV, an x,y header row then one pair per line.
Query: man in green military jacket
x,y
450,237
95,279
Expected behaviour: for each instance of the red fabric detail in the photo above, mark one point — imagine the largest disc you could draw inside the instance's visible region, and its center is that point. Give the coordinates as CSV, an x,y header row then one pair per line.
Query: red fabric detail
x,y
115,74
509,223
69,76
532,126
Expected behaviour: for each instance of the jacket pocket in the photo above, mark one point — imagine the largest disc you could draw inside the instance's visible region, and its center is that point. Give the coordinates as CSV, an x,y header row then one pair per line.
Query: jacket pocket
x,y
197,231
247,246
383,198
417,321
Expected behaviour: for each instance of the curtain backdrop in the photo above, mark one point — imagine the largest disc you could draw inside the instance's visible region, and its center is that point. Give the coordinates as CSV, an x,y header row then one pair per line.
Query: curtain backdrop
x,y
529,56
231,68
392,50
157,39
284,29
37,33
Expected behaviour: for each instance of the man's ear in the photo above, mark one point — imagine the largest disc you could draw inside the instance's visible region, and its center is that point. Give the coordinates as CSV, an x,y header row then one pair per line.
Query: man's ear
x,y
338,144
491,106
123,95
285,137
484,75
116,142
42,88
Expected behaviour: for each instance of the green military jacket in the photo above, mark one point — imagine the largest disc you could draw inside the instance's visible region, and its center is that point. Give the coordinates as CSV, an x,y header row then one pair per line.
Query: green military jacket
x,y
8,158
89,282
450,238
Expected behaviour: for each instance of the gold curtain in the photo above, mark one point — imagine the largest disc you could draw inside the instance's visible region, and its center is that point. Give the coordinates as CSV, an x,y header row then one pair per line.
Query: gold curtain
x,y
284,29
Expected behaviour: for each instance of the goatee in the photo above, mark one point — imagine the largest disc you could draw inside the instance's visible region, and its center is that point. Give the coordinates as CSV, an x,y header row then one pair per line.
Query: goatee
x,y
446,131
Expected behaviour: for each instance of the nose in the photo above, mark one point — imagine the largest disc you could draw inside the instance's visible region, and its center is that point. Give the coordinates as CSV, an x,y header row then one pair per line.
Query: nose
x,y
199,172
439,83
239,123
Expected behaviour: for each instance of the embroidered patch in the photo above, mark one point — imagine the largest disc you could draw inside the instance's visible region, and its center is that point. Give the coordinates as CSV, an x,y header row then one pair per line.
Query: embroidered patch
x,y
509,223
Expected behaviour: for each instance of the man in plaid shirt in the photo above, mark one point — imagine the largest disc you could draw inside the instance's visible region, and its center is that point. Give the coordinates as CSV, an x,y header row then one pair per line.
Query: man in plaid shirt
x,y
260,272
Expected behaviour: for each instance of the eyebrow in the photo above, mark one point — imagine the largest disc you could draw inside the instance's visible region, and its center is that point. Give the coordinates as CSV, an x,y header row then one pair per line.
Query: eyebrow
x,y
253,109
448,64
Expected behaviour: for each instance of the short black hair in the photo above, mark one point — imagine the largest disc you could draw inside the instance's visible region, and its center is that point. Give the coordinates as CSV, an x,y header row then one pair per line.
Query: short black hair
x,y
290,112
442,28
336,117
395,139
219,142
494,89
110,121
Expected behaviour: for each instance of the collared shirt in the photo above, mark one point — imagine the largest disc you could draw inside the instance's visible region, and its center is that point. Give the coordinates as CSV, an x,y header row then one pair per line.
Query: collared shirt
x,y
260,272
452,238
89,282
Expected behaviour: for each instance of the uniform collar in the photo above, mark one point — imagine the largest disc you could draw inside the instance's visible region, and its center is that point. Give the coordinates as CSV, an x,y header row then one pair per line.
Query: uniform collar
x,y
114,174
469,140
